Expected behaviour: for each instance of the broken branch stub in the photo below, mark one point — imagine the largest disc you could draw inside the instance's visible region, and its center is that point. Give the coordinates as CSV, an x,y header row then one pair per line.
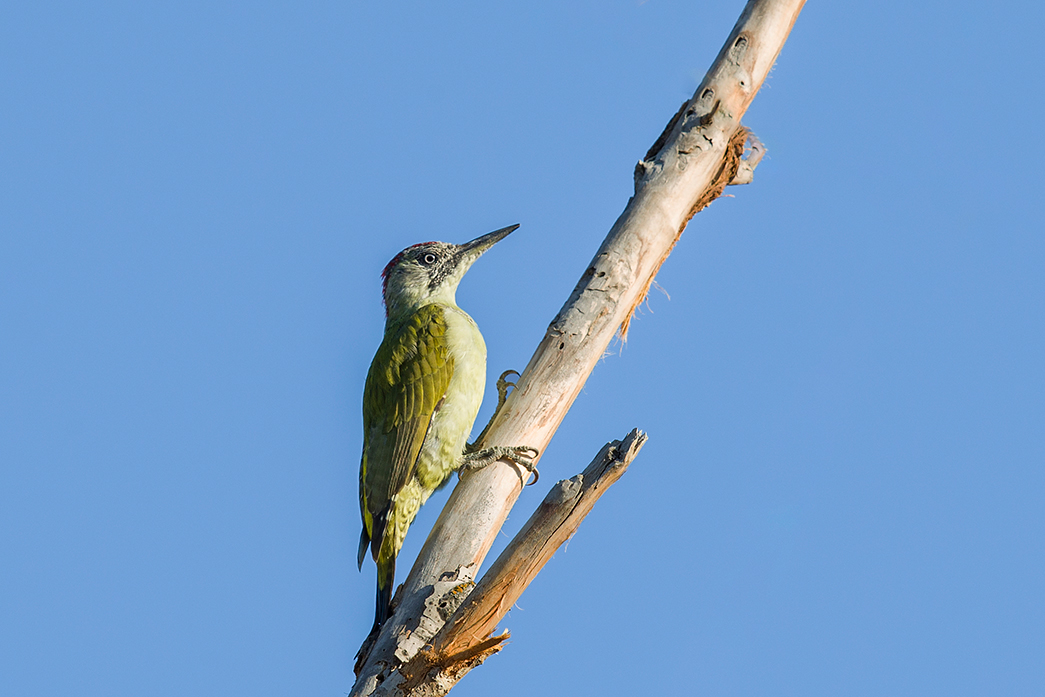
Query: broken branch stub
x,y
467,639
554,522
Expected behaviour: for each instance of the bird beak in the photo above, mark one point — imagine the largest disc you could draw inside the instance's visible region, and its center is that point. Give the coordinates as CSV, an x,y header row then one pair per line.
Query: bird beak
x,y
476,247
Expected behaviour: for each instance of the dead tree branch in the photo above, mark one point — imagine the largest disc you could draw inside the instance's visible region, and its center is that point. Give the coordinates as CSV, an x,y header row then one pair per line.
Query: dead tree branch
x,y
466,639
695,158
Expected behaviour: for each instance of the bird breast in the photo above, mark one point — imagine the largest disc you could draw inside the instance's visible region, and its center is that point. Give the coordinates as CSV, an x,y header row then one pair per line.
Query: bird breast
x,y
452,423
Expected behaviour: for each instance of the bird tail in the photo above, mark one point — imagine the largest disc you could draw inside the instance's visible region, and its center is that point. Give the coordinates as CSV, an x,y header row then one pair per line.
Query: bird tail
x,y
364,542
378,523
386,571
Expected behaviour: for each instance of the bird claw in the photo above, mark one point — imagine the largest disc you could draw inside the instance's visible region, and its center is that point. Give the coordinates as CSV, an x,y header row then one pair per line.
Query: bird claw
x,y
502,388
536,475
526,461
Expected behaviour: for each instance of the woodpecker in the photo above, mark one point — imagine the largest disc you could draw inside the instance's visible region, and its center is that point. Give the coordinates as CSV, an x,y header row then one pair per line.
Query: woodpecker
x,y
421,398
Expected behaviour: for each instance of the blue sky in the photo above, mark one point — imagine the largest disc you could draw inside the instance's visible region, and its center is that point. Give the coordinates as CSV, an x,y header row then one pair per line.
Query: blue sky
x,y
845,393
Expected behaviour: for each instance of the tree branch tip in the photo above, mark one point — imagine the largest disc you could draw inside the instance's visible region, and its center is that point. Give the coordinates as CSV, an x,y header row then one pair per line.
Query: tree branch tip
x,y
629,447
614,457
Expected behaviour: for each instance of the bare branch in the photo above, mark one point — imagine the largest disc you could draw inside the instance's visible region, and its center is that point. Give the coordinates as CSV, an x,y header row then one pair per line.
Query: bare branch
x,y
698,154
554,522
466,639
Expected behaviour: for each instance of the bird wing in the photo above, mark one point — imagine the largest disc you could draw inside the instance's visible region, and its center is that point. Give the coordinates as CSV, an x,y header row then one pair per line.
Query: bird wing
x,y
406,383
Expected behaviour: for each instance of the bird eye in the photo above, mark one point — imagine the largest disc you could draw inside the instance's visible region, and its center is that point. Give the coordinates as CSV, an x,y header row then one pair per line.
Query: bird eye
x,y
428,259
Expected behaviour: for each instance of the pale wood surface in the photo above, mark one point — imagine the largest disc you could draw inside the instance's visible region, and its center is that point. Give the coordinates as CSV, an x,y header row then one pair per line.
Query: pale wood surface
x,y
466,639
554,522
696,156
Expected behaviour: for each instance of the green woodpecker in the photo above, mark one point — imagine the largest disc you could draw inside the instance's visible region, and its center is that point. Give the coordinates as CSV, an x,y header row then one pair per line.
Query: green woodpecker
x,y
422,394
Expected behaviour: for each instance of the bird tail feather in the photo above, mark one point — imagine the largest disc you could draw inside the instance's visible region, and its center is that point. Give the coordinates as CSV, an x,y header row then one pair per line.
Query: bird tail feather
x,y
364,542
386,571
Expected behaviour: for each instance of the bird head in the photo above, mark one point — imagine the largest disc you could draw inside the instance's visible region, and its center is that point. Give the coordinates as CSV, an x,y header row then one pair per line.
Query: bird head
x,y
430,272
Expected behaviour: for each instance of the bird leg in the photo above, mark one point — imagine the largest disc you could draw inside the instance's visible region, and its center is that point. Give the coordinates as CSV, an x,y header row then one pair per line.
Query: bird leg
x,y
502,396
476,457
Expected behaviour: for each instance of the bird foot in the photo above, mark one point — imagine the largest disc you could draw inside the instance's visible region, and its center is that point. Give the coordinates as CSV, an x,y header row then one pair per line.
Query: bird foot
x,y
522,455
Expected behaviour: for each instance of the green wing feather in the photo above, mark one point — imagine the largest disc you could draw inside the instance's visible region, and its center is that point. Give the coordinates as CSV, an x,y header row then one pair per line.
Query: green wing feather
x,y
406,383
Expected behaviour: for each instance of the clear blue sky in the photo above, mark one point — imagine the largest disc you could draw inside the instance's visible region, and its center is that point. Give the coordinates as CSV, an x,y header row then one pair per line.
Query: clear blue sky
x,y
844,487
